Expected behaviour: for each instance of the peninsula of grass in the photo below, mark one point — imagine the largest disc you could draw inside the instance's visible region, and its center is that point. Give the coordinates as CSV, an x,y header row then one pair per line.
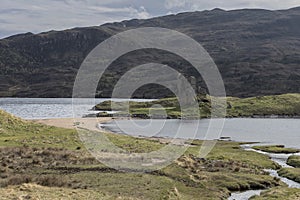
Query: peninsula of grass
x,y
286,105
276,149
294,161
52,163
290,173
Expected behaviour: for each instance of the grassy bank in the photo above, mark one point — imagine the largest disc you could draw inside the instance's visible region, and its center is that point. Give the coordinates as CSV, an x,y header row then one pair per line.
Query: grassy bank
x,y
279,193
294,161
15,132
290,173
286,105
50,162
276,149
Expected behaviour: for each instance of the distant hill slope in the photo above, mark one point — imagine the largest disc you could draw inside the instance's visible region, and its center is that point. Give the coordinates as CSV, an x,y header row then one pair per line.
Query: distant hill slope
x,y
257,52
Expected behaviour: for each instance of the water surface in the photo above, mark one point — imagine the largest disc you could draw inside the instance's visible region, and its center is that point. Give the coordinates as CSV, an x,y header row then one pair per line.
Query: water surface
x,y
270,131
45,108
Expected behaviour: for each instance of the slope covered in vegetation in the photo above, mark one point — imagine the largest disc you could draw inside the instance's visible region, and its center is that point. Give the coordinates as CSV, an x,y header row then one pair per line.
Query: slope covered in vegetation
x,y
44,160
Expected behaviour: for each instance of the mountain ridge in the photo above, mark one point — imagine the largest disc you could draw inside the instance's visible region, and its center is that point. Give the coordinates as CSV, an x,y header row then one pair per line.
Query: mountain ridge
x,y
257,52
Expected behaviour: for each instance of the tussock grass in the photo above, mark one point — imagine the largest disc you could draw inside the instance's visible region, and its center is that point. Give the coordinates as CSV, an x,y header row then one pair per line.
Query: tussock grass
x,y
34,191
290,173
46,157
294,161
279,193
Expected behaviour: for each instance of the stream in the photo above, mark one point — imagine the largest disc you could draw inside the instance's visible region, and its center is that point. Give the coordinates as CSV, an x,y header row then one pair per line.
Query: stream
x,y
281,159
238,129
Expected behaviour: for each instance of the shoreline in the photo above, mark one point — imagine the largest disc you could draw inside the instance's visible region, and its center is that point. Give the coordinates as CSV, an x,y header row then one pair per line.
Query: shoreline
x,y
72,123
94,124
136,116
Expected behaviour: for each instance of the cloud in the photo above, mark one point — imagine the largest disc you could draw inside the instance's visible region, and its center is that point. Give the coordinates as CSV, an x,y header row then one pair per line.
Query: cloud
x,y
36,16
171,4
142,13
190,5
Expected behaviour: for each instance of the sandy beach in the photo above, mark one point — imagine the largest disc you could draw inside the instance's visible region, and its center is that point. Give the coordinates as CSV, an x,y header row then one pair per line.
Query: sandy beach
x,y
72,123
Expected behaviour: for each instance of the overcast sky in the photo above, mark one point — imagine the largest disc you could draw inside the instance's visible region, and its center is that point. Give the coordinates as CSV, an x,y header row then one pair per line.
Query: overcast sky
x,y
19,16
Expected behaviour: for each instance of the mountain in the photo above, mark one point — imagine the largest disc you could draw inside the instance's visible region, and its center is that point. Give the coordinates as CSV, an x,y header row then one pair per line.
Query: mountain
x,y
257,52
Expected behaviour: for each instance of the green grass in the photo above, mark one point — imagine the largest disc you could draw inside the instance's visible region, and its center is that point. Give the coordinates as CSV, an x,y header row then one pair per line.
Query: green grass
x,y
294,161
47,156
279,193
17,132
276,149
286,104
281,105
132,144
33,191
290,173
232,151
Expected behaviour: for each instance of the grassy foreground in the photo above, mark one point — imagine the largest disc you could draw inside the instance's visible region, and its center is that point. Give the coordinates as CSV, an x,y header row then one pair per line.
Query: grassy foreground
x,y
42,162
286,105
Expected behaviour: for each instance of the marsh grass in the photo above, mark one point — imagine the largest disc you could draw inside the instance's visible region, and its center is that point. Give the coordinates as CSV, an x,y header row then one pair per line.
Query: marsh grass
x,y
46,157
294,161
276,149
279,193
290,173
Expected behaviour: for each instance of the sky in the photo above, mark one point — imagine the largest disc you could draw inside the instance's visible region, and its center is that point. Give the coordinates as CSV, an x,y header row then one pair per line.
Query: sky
x,y
21,16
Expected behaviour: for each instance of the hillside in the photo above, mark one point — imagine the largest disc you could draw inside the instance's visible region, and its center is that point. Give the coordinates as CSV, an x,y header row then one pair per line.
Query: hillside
x,y
256,51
